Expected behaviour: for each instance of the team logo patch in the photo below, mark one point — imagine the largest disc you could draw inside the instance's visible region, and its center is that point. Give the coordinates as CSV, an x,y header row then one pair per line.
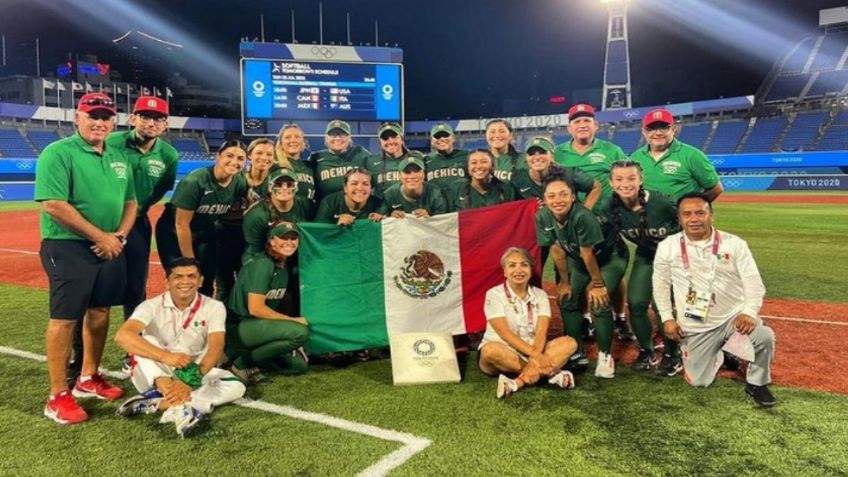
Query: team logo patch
x,y
120,169
670,167
423,275
597,157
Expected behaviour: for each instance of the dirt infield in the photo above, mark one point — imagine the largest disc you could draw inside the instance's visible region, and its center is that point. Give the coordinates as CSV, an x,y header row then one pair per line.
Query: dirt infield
x,y
782,199
811,335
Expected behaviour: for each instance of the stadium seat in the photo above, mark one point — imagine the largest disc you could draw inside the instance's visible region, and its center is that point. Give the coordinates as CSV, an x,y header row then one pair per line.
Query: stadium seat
x,y
12,144
627,139
835,137
803,131
695,134
726,137
764,134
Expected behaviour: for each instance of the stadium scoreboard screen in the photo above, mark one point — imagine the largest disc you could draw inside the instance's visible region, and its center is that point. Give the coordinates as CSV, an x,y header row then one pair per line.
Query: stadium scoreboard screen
x,y
278,91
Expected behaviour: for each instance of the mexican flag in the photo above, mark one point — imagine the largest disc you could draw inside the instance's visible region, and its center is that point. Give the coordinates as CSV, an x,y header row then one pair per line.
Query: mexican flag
x,y
363,283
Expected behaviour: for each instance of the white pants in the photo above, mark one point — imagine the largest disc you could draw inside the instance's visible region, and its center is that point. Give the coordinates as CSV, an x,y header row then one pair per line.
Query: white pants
x,y
219,386
702,354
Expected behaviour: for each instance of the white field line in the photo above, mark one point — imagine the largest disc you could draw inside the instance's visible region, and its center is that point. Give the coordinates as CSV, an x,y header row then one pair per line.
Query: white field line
x,y
30,252
411,444
805,320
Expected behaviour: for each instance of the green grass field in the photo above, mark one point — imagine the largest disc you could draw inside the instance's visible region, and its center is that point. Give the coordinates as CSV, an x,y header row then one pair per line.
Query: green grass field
x,y
631,425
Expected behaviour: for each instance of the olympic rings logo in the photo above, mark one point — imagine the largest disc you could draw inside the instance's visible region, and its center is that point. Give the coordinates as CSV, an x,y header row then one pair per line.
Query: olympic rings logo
x,y
718,161
326,52
632,114
24,165
732,183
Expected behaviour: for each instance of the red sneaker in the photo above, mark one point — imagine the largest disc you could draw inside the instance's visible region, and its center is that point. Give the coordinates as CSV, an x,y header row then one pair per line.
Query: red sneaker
x,y
97,387
63,409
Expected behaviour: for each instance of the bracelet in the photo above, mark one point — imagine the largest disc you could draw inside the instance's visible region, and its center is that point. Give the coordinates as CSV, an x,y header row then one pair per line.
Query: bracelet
x,y
598,284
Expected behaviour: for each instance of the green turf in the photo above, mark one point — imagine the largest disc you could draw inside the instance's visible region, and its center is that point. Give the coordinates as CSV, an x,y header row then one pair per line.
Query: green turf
x,y
799,248
9,206
631,425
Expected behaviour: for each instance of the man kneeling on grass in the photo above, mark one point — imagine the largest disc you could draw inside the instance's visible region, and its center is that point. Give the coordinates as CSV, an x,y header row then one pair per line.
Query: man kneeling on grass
x,y
516,338
175,340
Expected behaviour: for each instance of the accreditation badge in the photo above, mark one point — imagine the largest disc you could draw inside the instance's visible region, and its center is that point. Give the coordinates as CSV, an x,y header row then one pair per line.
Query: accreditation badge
x,y
697,304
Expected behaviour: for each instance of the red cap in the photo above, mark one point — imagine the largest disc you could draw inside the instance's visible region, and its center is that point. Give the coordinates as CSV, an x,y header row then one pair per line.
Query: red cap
x,y
658,116
96,102
579,110
150,104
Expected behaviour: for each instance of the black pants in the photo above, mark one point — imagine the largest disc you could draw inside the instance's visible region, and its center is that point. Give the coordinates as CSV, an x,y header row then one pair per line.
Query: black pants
x,y
231,246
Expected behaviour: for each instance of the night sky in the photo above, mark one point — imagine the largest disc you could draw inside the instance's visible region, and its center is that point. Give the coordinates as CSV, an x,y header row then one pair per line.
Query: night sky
x,y
463,58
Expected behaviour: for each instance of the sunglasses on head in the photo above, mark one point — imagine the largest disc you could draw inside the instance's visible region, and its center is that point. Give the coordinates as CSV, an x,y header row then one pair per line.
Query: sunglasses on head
x,y
98,102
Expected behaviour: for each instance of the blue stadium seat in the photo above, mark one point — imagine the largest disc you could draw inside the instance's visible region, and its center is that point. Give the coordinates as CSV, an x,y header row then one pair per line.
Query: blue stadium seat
x,y
12,144
764,135
726,137
803,131
695,134
41,138
627,139
835,138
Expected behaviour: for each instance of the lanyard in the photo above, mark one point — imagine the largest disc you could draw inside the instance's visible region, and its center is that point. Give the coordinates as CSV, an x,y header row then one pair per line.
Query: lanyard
x,y
684,255
193,311
515,308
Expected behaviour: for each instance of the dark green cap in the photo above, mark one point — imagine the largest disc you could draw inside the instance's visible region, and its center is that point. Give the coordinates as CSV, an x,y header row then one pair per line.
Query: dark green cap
x,y
338,124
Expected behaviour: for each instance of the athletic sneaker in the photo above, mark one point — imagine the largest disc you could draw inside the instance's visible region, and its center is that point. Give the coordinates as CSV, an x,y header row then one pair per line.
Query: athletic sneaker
x,y
126,366
97,387
622,329
761,395
63,409
249,376
577,362
184,417
506,386
645,361
606,366
145,403
670,366
563,379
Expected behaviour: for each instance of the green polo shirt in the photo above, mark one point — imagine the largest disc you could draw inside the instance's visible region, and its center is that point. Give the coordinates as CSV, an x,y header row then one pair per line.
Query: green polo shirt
x,y
305,179
154,171
446,170
262,276
581,228
596,161
468,197
680,170
660,221
334,205
258,219
200,193
384,171
432,200
97,185
330,168
527,188
506,165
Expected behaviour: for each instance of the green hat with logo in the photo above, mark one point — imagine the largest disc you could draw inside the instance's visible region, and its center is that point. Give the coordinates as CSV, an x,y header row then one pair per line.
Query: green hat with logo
x,y
440,128
411,161
338,125
282,174
281,229
542,143
393,127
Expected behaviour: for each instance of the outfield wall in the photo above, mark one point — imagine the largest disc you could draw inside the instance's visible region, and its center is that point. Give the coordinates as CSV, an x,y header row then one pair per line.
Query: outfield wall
x,y
801,171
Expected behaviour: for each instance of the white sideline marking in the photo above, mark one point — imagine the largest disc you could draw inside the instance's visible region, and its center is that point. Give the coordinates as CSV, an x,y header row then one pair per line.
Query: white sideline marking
x,y
30,252
805,320
411,444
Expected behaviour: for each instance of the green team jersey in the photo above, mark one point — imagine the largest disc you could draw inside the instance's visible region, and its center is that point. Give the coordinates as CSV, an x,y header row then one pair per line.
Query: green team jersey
x,y
527,188
330,168
432,200
334,205
596,161
581,228
446,170
384,171
680,170
467,197
262,276
97,185
258,219
199,192
305,179
660,222
154,172
506,166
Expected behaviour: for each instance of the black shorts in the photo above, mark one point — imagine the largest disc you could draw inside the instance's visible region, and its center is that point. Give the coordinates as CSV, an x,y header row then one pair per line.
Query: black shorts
x,y
79,280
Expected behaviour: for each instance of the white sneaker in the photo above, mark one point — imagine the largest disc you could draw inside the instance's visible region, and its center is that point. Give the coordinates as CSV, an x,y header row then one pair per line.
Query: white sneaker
x,y
506,386
563,379
185,418
606,366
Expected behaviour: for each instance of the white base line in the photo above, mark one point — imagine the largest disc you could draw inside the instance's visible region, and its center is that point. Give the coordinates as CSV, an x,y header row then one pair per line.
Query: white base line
x,y
411,444
30,252
805,320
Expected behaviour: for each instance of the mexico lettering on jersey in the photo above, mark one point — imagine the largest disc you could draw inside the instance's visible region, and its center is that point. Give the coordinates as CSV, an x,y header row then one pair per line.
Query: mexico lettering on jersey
x,y
213,209
445,173
275,294
656,233
335,172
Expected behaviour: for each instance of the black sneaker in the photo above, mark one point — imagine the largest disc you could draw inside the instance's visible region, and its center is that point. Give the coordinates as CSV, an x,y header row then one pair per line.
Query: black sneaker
x,y
645,361
577,362
761,395
669,367
622,329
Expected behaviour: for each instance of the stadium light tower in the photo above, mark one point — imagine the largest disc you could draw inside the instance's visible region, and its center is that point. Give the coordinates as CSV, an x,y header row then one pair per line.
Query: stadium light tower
x,y
616,94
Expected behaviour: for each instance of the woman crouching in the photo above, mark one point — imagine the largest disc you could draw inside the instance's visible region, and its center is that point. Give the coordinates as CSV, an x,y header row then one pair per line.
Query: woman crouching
x,y
516,338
